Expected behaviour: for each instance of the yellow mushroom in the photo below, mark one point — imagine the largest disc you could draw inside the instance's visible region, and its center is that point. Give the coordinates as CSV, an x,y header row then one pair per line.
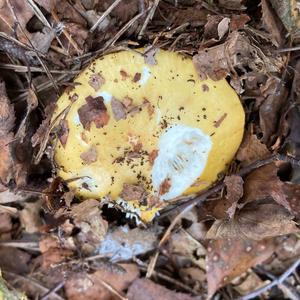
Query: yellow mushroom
x,y
144,130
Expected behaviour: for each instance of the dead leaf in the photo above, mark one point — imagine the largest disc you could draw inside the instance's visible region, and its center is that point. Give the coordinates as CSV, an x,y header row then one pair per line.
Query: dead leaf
x,y
229,258
232,4
7,120
255,221
236,54
92,227
288,12
251,149
273,23
94,111
5,223
94,286
234,188
54,256
152,156
255,187
133,192
147,290
89,156
275,94
182,245
14,260
122,243
96,81
238,21
149,56
250,283
30,217
118,109
223,27
164,187
63,132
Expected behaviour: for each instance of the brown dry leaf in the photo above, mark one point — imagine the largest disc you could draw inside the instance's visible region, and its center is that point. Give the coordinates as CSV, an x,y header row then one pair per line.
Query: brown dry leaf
x,y
229,258
41,132
14,260
96,81
255,221
89,156
87,217
238,21
94,286
63,132
5,223
122,243
149,56
237,53
133,192
250,283
118,109
251,149
7,122
288,11
47,242
54,256
147,290
30,217
234,188
183,245
94,111
275,94
273,23
232,4
263,183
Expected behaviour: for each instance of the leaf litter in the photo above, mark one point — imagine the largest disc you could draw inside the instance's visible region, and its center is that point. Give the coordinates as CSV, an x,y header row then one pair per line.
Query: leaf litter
x,y
89,249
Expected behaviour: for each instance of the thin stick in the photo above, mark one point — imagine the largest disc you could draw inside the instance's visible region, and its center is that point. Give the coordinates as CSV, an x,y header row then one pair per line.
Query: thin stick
x,y
52,291
104,15
275,282
295,48
149,18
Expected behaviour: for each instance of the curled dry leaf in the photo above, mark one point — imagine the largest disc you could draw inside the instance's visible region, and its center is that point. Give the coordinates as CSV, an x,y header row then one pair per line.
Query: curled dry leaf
x,y
122,243
255,221
251,149
147,290
94,111
234,188
273,23
237,53
89,156
63,132
263,183
228,258
100,284
275,94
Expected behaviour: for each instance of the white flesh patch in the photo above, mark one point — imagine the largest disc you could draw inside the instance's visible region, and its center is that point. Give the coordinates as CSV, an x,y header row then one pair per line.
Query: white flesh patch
x,y
182,157
106,96
145,76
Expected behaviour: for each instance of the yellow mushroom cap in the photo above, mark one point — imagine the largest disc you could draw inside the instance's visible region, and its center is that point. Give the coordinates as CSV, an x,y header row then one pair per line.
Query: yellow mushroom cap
x,y
146,122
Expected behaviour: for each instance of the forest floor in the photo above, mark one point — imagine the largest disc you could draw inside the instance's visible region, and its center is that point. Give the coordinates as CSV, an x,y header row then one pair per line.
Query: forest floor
x,y
237,240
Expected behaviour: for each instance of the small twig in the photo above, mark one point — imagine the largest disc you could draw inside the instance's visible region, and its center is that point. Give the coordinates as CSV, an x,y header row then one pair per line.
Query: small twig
x,y
32,246
167,278
105,14
295,48
149,18
112,290
52,291
275,282
32,282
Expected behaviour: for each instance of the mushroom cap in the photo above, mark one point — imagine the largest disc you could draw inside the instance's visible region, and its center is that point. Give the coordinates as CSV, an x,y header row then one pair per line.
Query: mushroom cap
x,y
145,121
